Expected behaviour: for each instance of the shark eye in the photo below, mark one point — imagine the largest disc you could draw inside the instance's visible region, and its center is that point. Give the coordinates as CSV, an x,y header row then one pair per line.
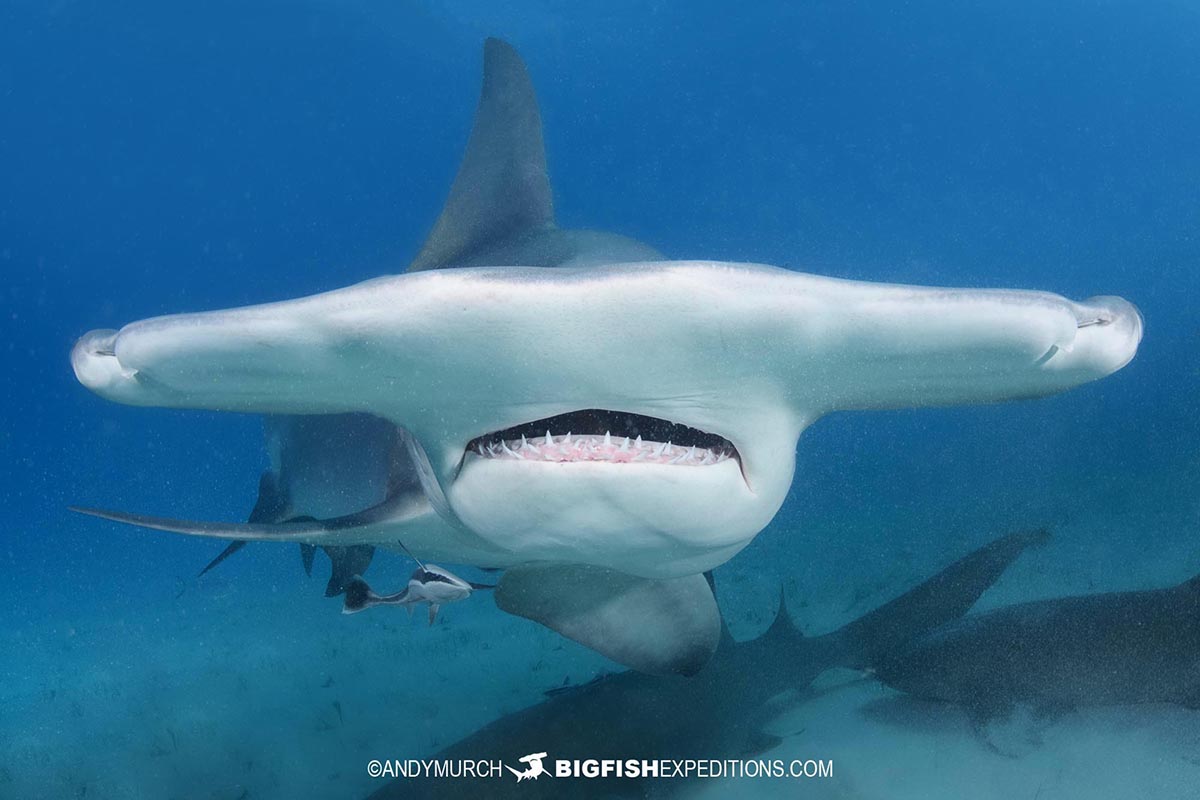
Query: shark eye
x,y
608,436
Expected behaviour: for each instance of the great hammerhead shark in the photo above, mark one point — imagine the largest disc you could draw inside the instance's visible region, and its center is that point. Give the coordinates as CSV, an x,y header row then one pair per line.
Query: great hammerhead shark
x,y
603,424
716,714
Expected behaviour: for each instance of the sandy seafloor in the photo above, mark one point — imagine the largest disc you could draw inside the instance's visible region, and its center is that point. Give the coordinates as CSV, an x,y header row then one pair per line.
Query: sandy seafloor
x,y
252,688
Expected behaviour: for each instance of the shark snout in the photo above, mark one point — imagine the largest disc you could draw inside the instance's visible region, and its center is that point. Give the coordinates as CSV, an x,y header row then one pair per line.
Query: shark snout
x,y
94,360
1112,310
1109,330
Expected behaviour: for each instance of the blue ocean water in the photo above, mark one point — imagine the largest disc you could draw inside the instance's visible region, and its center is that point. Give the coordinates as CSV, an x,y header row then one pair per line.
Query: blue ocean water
x,y
157,158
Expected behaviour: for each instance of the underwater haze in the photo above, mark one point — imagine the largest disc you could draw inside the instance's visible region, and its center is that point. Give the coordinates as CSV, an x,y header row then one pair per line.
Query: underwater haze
x,y
158,158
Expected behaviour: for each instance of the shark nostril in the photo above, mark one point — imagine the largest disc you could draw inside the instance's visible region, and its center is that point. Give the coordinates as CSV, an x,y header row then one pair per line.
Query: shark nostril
x,y
94,359
101,342
1107,310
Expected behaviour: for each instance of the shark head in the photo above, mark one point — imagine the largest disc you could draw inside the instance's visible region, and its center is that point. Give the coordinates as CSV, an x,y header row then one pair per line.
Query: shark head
x,y
728,362
645,417
569,397
638,416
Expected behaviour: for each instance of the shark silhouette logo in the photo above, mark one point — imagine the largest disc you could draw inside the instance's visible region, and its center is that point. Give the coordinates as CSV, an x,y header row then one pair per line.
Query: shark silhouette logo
x,y
534,768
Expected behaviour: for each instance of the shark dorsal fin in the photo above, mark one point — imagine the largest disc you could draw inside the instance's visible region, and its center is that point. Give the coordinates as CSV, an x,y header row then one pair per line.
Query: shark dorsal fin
x,y
502,188
782,627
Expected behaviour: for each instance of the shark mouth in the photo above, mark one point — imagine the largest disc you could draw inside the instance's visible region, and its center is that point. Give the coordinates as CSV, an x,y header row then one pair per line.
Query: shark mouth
x,y
605,436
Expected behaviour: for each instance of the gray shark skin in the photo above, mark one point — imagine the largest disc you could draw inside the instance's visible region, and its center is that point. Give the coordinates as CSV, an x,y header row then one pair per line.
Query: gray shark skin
x,y
323,467
566,405
269,507
501,210
1103,649
717,713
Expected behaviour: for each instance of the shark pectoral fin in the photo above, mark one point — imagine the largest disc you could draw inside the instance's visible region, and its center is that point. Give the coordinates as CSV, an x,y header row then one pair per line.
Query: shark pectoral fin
x,y
248,531
359,527
726,638
502,189
433,612
654,626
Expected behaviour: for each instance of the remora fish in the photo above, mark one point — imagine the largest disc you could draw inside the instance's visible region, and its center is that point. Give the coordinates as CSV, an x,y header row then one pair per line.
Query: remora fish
x,y
429,584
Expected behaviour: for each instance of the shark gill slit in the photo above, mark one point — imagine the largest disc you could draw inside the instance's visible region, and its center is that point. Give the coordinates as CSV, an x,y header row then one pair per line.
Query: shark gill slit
x,y
600,435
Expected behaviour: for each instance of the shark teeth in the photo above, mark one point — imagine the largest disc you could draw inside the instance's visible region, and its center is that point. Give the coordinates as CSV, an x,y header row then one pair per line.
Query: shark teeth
x,y
574,447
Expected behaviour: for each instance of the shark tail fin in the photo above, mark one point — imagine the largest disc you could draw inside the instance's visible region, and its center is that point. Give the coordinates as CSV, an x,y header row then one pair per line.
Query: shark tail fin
x,y
945,597
502,188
